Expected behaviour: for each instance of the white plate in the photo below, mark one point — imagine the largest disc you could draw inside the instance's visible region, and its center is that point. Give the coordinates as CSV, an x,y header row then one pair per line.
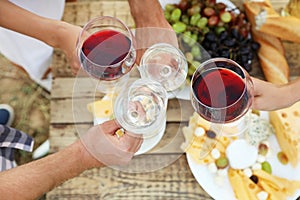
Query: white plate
x,y
207,179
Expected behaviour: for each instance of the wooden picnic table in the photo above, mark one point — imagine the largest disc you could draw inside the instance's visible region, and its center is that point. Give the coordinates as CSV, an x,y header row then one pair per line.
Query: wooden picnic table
x,y
174,181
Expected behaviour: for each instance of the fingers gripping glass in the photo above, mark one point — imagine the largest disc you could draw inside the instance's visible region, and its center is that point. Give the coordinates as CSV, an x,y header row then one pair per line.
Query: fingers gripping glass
x,y
105,49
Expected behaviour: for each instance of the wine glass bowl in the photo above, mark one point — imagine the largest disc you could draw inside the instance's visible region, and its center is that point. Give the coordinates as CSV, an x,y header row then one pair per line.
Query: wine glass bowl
x,y
221,91
166,64
141,106
105,49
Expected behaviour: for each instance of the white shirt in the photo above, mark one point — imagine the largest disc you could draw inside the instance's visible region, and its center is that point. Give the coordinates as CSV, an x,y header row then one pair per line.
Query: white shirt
x,y
33,55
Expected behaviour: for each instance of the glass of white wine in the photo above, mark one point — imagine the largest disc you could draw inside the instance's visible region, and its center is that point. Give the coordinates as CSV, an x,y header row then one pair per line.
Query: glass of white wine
x,y
140,108
165,64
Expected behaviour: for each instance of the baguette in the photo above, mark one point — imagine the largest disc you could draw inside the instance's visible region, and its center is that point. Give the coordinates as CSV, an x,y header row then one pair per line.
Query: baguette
x,y
271,53
265,19
272,58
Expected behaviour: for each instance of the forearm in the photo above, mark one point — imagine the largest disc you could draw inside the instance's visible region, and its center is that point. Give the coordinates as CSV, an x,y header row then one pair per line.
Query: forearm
x,y
20,20
145,12
293,91
31,180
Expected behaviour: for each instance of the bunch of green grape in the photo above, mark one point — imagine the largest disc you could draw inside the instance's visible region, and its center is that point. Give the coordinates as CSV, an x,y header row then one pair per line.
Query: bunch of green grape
x,y
207,25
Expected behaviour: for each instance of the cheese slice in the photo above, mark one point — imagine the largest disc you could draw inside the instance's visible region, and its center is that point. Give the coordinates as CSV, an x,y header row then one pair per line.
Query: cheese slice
x,y
101,109
286,123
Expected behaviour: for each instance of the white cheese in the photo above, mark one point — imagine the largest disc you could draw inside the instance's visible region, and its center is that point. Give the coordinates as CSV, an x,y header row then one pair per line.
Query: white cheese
x,y
241,154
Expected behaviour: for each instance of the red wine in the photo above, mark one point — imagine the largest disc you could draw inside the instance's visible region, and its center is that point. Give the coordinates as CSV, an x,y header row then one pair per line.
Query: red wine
x,y
221,95
103,49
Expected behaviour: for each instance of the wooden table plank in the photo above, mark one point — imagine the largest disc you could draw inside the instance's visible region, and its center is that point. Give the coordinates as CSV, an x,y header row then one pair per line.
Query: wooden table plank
x,y
172,182
68,110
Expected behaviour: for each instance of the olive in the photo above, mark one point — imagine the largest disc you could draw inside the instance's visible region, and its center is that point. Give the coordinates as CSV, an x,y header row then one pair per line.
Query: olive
x,y
254,178
211,134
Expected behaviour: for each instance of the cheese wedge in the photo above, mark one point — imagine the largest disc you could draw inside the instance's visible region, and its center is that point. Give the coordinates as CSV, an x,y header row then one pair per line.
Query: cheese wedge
x,y
286,123
101,108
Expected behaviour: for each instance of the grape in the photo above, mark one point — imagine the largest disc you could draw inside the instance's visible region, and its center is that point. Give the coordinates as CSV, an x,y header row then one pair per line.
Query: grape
x,y
167,16
194,38
213,20
195,18
266,167
222,162
183,5
209,12
175,15
202,22
195,9
179,27
187,36
221,31
189,56
220,6
225,16
185,19
170,7
196,52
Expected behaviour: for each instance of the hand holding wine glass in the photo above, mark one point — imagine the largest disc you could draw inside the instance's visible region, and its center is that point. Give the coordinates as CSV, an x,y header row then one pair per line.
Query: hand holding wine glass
x,y
106,51
166,64
140,108
222,93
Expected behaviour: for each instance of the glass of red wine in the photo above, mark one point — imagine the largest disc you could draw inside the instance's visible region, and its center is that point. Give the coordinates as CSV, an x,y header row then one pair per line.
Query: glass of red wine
x,y
105,49
222,93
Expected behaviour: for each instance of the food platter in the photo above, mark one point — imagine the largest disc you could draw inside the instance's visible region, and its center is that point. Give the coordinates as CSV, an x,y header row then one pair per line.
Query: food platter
x,y
225,192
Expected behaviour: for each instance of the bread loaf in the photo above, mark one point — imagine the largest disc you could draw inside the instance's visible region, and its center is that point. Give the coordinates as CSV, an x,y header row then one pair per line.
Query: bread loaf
x,y
271,53
265,19
272,58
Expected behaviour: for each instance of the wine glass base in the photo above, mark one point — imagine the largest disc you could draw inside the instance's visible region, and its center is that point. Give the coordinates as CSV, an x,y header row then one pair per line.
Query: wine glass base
x,y
236,128
150,142
113,85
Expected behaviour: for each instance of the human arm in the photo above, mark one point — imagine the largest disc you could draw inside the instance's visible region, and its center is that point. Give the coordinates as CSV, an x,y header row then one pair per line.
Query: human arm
x,y
44,174
151,25
269,96
55,33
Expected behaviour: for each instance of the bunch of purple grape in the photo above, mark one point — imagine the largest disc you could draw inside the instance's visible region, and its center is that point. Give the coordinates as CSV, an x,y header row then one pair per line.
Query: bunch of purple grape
x,y
220,31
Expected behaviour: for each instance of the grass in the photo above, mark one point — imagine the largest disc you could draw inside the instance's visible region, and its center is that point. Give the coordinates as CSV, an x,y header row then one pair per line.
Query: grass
x,y
31,104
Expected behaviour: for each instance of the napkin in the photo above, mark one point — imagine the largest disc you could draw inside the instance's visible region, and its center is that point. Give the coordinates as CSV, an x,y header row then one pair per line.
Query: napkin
x,y
11,139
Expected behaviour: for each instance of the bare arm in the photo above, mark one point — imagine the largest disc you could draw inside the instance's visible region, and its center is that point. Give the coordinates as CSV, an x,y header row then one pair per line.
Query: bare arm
x,y
55,33
42,175
147,13
151,25
268,96
99,145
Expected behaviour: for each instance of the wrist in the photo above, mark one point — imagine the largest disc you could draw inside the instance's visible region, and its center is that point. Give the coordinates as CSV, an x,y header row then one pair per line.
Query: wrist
x,y
86,160
292,91
147,14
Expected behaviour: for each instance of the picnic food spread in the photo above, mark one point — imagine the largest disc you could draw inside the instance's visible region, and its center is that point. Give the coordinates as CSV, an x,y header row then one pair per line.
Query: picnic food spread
x,y
245,166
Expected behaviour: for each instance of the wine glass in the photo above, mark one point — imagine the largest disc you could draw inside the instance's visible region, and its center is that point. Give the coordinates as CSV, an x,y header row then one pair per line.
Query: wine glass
x,y
105,49
222,93
140,108
167,65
